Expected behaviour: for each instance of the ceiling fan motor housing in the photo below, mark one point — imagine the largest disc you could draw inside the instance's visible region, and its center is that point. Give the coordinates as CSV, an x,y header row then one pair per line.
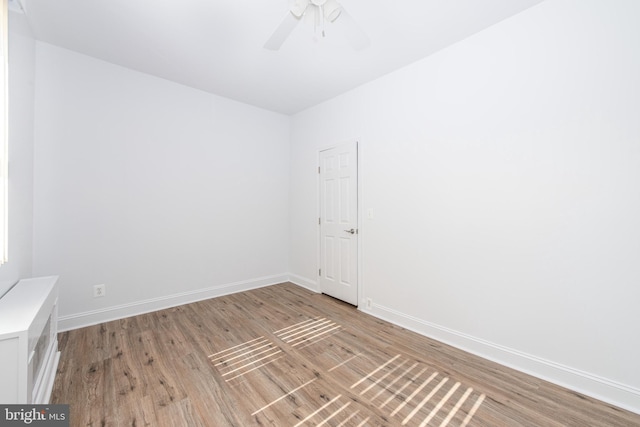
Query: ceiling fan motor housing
x,y
329,8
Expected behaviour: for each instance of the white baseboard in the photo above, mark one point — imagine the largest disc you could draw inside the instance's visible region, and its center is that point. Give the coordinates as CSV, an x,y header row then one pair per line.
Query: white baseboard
x,y
88,318
603,389
303,282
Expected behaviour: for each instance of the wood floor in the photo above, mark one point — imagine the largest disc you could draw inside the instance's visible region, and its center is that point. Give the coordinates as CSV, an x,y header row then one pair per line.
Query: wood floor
x,y
284,356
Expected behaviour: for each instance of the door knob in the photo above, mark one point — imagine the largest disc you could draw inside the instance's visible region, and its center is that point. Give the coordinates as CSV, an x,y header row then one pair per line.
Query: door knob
x,y
352,231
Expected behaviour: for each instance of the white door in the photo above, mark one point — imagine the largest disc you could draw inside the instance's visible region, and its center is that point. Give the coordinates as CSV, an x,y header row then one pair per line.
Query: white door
x,y
339,222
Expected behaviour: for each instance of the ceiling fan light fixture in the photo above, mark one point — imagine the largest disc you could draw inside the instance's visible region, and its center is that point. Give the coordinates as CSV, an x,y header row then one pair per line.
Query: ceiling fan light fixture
x,y
331,10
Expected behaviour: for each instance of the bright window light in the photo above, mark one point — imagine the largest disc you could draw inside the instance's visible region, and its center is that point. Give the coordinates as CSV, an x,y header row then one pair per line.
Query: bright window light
x,y
4,107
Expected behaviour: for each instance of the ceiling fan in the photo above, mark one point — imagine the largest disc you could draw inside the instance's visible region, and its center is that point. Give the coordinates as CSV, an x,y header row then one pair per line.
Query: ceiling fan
x,y
318,13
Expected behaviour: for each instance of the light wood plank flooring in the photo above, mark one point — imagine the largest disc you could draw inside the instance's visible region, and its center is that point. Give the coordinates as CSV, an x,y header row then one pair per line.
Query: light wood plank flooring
x,y
284,356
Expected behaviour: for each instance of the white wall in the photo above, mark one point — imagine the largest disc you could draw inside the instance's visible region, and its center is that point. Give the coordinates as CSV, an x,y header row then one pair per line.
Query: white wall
x,y
21,113
504,175
161,192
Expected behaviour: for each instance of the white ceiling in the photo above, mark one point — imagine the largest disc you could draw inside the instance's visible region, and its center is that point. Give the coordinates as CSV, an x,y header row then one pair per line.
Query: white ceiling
x,y
217,45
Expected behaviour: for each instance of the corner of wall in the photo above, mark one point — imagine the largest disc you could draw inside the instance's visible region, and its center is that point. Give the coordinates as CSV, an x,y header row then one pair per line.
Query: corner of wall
x,y
304,282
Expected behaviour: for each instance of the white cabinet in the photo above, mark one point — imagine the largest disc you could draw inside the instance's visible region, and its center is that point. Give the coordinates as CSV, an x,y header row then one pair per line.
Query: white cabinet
x,y
28,341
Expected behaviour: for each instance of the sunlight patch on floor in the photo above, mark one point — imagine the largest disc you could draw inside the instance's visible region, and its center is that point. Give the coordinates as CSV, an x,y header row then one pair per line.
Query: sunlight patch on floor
x,y
243,358
418,395
308,332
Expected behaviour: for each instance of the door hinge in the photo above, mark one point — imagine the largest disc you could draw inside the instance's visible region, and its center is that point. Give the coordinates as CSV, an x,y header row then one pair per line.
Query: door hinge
x,y
319,272
318,169
319,222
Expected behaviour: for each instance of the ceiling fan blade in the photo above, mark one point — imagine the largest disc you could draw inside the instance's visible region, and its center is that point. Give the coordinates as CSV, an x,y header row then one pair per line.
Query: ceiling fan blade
x,y
357,38
282,32
299,8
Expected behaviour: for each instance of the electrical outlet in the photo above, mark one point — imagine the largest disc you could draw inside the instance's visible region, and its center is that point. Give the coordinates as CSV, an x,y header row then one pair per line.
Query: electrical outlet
x,y
369,303
99,291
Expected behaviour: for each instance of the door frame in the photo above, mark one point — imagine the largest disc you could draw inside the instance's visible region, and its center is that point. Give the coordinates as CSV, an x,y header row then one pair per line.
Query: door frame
x,y
359,216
